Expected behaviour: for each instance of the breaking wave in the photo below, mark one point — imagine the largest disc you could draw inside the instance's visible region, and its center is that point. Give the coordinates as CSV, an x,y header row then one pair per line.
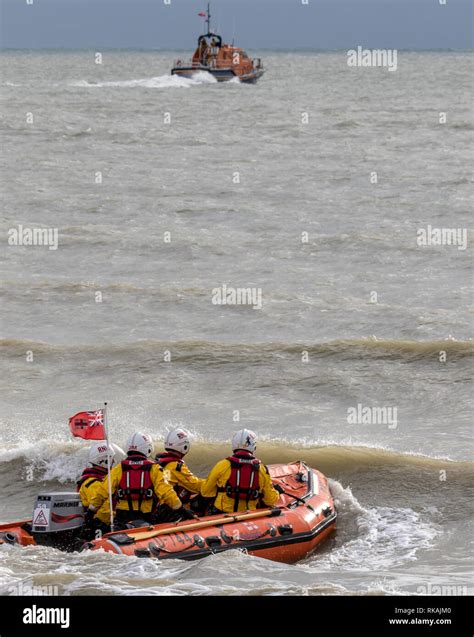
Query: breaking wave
x,y
374,537
62,461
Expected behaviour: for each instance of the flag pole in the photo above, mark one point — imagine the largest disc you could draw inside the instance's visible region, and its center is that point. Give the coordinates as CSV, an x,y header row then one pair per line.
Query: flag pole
x,y
109,480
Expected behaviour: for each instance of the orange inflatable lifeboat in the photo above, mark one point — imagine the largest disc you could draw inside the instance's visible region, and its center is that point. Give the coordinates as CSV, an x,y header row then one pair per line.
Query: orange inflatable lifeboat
x,y
289,532
304,517
223,61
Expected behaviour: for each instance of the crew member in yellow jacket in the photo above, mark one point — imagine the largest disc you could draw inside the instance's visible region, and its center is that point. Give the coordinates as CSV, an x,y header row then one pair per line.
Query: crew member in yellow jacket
x,y
91,479
177,472
241,481
138,484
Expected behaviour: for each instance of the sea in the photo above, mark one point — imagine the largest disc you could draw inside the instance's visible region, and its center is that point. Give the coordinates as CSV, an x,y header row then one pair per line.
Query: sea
x,y
294,257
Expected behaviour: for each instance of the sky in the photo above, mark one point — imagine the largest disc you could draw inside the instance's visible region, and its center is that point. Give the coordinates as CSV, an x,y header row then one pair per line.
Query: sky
x,y
271,24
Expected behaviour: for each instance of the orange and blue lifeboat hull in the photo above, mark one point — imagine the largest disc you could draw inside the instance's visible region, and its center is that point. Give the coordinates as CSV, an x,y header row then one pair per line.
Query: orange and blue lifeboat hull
x,y
220,74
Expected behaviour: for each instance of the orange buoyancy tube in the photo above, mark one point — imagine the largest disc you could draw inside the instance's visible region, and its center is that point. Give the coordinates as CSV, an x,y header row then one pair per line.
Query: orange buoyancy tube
x,y
244,479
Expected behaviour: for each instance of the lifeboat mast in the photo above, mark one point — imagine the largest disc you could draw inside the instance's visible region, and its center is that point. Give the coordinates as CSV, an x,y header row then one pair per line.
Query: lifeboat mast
x,y
208,19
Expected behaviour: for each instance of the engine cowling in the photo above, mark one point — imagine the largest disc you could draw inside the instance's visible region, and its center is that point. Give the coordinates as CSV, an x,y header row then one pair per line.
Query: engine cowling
x,y
58,519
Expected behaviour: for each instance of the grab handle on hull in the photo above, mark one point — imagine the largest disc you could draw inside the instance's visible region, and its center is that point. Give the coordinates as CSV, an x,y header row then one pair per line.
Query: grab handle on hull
x,y
213,540
285,529
228,519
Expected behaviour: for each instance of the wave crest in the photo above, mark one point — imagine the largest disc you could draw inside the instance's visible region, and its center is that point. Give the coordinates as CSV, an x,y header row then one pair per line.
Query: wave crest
x,y
209,350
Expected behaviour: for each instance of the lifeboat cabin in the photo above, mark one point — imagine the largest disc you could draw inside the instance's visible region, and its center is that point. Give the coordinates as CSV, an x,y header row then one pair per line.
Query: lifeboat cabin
x,y
224,61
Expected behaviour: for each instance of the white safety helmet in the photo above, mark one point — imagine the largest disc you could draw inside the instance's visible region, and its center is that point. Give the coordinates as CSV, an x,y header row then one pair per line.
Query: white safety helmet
x,y
245,440
98,454
178,440
140,442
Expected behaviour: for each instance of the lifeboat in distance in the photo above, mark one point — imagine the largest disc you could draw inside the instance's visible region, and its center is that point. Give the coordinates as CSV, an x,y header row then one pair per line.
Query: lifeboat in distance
x,y
291,531
223,61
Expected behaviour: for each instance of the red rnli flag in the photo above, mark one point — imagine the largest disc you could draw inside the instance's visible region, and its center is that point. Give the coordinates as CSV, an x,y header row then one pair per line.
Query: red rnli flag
x,y
202,14
88,425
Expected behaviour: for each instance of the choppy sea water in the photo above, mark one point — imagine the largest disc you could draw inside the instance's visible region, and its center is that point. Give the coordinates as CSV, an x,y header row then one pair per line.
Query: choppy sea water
x,y
354,311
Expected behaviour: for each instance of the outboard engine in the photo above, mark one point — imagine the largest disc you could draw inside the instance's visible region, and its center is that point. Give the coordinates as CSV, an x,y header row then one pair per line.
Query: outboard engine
x,y
58,520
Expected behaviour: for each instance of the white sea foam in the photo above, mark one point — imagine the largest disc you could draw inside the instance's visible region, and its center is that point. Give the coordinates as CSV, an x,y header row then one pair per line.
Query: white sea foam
x,y
375,538
160,81
48,459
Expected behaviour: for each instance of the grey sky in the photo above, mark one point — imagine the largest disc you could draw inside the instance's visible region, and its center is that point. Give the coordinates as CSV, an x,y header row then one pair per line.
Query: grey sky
x,y
279,24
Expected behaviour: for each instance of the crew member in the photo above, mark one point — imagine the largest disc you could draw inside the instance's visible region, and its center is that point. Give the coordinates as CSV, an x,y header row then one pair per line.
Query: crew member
x,y
185,483
88,484
178,474
240,481
138,485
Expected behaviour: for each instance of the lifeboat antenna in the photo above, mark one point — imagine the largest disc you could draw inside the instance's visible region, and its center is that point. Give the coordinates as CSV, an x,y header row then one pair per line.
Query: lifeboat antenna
x,y
233,30
208,18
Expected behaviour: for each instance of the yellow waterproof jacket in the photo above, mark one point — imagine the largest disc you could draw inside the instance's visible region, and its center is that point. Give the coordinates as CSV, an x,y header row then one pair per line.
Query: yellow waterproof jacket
x,y
178,473
218,478
164,492
87,491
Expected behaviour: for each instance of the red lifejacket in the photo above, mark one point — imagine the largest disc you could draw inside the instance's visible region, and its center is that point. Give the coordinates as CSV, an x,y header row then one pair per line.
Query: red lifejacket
x,y
244,479
135,484
164,459
95,473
